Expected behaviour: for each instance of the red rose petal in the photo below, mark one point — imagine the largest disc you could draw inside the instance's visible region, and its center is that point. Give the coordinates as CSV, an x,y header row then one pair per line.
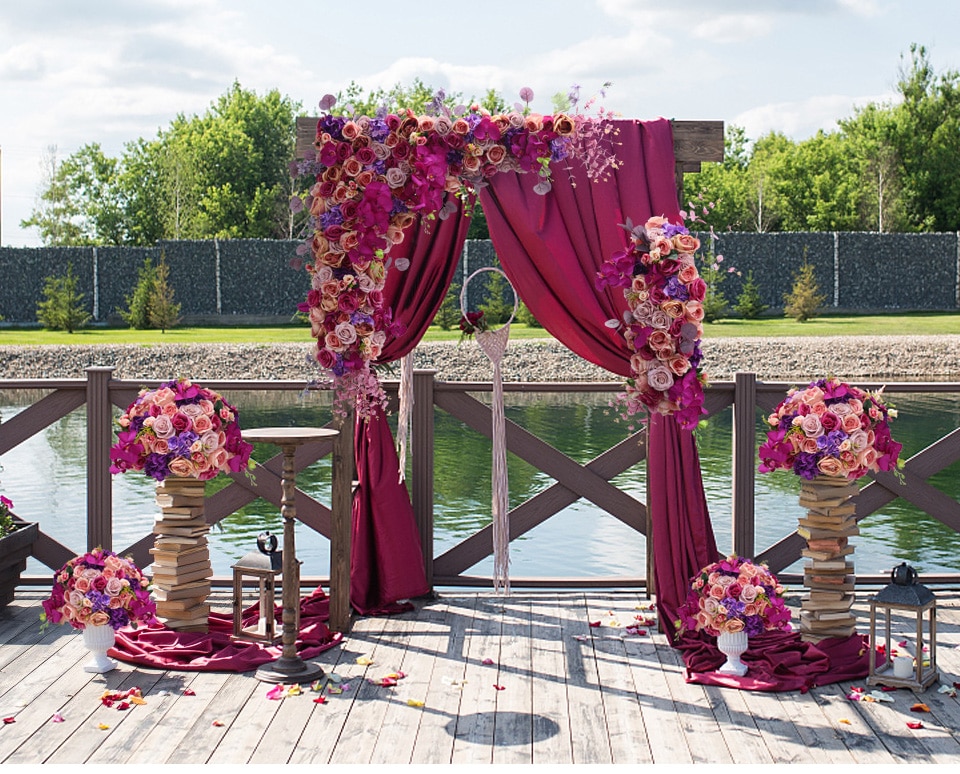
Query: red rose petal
x,y
594,624
499,687
914,724
189,692
8,721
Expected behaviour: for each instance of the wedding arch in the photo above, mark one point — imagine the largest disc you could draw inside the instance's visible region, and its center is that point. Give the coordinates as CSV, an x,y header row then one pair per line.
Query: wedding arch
x,y
390,193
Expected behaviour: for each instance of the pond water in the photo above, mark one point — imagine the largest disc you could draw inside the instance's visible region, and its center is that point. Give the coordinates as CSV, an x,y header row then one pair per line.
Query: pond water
x,y
45,477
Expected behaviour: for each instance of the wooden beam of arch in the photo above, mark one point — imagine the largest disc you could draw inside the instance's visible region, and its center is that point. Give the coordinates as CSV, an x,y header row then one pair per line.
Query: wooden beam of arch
x,y
693,143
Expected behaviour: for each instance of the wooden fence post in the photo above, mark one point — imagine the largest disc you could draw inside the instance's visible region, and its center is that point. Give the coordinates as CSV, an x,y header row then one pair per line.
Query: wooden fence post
x,y
99,439
744,463
341,497
422,464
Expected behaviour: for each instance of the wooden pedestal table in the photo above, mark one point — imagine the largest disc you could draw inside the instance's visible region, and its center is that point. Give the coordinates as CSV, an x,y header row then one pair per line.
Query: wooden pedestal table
x,y
290,668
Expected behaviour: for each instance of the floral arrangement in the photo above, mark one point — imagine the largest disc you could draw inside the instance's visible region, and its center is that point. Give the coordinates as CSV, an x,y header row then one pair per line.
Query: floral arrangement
x,y
734,595
7,524
471,323
373,175
182,430
663,325
830,429
99,588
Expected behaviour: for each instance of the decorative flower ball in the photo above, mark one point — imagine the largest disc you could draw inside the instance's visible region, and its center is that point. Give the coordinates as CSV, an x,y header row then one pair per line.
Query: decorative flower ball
x,y
181,430
99,588
734,595
830,429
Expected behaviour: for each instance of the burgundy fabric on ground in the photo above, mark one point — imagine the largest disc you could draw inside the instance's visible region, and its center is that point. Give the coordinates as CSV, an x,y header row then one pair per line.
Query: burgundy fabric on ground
x,y
386,558
217,651
551,248
779,661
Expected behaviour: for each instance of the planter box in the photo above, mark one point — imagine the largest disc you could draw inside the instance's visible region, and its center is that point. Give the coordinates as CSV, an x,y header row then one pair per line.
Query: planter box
x,y
14,550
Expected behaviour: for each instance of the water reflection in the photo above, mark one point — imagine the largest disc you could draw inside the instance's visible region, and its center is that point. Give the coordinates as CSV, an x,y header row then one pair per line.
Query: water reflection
x,y
45,476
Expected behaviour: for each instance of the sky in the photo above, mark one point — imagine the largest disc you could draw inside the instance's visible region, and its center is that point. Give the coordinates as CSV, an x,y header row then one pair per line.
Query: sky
x,y
112,71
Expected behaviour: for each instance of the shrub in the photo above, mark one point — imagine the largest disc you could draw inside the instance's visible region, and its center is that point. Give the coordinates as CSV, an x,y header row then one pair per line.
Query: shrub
x,y
749,304
497,310
803,302
63,307
525,316
164,313
448,314
137,314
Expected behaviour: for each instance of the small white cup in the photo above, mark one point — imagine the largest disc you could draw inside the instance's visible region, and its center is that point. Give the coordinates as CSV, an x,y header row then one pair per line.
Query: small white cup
x,y
903,667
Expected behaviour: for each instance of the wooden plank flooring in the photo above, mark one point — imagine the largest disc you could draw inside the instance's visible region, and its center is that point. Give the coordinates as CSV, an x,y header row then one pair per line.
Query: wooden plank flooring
x,y
487,679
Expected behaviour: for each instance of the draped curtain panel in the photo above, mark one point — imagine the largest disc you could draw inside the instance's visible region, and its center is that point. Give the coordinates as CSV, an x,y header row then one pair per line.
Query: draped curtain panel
x,y
386,561
551,248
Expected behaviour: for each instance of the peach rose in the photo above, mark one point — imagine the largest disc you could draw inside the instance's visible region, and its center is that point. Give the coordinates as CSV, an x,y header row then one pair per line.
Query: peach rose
x,y
808,445
182,468
673,307
686,243
351,130
563,125
830,466
693,311
733,625
868,458
163,427
678,364
100,618
496,154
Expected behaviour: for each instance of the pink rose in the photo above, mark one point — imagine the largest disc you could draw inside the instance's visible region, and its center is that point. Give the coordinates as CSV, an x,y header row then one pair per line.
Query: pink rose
x,y
114,586
81,584
346,333
811,426
748,594
496,154
850,423
162,427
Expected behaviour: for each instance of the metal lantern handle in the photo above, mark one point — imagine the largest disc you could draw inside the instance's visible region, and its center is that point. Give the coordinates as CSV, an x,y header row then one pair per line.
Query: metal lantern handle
x,y
903,575
267,543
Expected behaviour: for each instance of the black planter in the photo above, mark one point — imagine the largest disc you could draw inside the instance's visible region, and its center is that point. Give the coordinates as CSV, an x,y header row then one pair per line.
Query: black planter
x,y
14,550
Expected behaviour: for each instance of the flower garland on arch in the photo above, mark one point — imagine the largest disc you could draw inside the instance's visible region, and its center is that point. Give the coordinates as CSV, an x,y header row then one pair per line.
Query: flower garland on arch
x,y
373,176
664,323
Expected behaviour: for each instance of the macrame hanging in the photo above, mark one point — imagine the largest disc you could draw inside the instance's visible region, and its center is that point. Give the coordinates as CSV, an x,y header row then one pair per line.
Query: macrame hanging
x,y
494,344
405,418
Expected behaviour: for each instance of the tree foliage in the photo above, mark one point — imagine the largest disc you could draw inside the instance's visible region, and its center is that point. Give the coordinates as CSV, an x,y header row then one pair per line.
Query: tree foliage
x,y
888,167
223,174
62,307
804,300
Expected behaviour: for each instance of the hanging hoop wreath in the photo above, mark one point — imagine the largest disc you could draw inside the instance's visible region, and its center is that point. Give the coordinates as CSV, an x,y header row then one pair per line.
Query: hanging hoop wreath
x,y
494,344
473,322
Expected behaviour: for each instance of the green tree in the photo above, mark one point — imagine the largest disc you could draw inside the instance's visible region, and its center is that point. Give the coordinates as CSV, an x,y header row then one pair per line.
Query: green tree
x,y
63,307
525,316
497,309
139,302
749,304
804,300
448,315
164,312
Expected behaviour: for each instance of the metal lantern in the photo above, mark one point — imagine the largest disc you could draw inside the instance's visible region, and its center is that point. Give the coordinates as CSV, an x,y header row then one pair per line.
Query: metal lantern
x,y
915,601
264,566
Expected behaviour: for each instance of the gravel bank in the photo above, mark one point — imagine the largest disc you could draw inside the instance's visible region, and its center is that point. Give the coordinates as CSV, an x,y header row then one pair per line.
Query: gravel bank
x,y
897,358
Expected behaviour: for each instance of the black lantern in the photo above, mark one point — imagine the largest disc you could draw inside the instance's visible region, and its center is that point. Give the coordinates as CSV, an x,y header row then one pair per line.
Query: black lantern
x,y
916,602
264,565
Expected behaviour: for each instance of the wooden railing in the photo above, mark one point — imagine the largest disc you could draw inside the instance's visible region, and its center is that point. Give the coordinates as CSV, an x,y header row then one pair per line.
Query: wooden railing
x,y
591,481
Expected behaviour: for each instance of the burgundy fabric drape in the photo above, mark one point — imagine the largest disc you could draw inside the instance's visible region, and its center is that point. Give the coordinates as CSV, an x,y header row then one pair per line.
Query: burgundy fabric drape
x,y
551,248
386,561
216,651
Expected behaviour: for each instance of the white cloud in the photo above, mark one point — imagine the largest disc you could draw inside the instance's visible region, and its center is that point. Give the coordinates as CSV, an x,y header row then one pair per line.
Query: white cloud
x,y
802,119
23,63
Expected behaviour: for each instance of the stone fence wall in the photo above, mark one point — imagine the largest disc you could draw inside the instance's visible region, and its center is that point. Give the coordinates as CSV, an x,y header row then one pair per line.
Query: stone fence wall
x,y
250,280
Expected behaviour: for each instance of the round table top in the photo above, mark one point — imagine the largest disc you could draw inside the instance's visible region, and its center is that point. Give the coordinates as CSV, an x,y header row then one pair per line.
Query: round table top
x,y
285,436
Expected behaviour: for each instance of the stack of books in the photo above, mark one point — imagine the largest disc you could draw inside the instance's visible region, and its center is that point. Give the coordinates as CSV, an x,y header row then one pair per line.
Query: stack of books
x,y
829,572
181,556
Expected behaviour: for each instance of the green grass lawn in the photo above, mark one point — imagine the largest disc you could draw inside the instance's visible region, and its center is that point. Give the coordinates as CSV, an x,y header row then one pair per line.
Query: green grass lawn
x,y
915,324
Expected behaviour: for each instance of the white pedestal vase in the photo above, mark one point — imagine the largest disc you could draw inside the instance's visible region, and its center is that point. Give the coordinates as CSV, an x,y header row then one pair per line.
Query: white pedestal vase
x,y
733,646
99,639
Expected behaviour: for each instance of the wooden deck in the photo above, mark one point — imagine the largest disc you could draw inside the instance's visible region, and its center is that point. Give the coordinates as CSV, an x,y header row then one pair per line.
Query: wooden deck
x,y
570,694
